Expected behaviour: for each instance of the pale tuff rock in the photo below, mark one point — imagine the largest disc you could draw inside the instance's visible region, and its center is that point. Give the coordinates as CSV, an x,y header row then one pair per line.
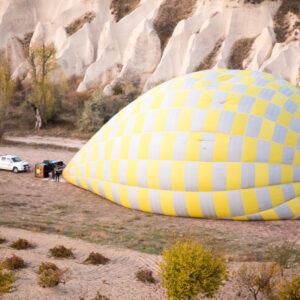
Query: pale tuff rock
x,y
261,49
76,53
104,52
141,56
285,59
14,52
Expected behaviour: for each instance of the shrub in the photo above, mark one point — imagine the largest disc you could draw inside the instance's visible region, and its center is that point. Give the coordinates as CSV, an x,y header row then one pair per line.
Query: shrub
x,y
117,89
7,280
145,276
21,244
96,259
47,266
289,289
256,279
49,275
210,60
281,25
99,109
48,278
169,14
14,263
286,255
61,252
188,269
100,297
121,8
78,23
239,51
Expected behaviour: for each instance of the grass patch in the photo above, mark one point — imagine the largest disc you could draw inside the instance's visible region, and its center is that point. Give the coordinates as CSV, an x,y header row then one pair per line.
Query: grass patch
x,y
14,263
121,8
61,252
145,276
210,60
78,23
239,51
170,13
21,244
95,258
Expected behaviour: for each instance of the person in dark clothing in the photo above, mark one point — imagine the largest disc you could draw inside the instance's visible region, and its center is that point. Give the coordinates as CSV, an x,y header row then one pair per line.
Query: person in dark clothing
x,y
57,172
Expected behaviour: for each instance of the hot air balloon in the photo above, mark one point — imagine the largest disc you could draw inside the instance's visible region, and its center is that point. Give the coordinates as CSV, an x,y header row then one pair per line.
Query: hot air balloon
x,y
210,144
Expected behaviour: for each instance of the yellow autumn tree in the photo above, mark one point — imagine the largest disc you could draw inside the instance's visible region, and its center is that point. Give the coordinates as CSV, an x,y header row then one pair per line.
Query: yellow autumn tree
x,y
46,93
6,91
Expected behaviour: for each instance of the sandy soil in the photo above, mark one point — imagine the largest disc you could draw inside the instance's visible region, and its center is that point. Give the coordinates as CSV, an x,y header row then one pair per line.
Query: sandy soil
x,y
60,208
115,280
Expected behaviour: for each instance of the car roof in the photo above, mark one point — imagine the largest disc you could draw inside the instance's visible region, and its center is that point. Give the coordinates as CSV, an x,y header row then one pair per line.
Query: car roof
x,y
8,156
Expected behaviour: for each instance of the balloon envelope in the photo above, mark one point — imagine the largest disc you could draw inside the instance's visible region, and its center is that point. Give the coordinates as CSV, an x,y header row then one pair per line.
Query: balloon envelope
x,y
212,144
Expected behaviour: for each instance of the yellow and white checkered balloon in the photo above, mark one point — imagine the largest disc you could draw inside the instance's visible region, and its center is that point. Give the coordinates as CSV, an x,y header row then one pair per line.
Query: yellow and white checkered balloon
x,y
211,144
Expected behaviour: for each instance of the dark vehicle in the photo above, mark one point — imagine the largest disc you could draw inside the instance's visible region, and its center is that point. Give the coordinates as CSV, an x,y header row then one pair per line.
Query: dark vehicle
x,y
48,168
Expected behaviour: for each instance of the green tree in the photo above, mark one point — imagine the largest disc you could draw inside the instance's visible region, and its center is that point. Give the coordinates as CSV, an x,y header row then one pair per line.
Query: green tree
x,y
45,96
99,109
6,91
188,269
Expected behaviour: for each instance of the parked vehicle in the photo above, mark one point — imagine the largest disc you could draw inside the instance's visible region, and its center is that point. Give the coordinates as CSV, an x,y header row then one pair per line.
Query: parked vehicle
x,y
13,163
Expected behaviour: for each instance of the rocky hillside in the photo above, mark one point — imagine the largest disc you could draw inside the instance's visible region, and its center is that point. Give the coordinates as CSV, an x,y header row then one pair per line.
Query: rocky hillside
x,y
150,41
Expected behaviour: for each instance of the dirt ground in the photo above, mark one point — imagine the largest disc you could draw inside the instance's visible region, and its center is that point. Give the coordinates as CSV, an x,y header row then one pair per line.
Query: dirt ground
x,y
115,280
45,206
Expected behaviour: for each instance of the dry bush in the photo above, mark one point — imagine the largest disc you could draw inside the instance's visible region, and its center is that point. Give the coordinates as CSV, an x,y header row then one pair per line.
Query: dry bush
x,y
21,244
100,297
121,8
170,13
282,28
78,23
50,275
47,266
145,276
254,279
210,60
286,255
289,289
61,252
7,279
239,51
188,269
95,258
14,262
2,240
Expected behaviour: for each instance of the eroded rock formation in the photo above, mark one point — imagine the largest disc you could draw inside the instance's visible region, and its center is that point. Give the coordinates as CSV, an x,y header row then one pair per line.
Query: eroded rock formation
x,y
146,46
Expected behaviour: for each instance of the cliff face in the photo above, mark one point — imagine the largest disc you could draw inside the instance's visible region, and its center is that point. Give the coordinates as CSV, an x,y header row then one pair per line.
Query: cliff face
x,y
150,41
